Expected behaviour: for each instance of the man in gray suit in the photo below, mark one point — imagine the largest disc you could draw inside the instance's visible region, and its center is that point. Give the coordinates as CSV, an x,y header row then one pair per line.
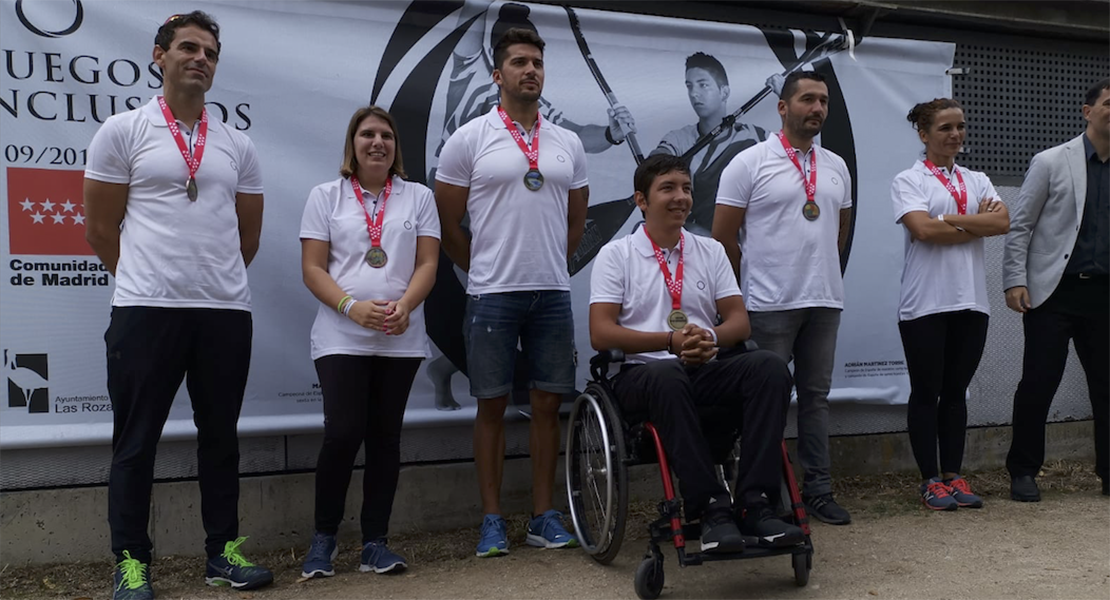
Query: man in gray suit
x,y
1056,274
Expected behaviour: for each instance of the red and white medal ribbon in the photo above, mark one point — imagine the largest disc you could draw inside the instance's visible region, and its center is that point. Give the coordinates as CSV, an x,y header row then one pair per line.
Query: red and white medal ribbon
x,y
811,184
961,196
373,223
192,159
674,286
532,153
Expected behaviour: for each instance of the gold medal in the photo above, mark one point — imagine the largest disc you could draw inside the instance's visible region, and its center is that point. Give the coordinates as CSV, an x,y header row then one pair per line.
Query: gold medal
x,y
376,257
677,320
191,189
811,211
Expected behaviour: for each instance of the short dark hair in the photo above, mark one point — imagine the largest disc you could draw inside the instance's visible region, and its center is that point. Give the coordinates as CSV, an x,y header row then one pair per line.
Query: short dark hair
x,y
790,86
1096,91
922,114
654,166
701,60
197,18
516,35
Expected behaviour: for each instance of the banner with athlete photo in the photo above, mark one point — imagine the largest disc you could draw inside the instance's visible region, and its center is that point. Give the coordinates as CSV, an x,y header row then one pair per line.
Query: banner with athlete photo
x,y
290,75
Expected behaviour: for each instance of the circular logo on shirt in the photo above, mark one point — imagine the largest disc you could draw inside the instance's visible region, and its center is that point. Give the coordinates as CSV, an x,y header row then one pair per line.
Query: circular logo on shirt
x,y
701,285
408,224
234,166
835,181
560,158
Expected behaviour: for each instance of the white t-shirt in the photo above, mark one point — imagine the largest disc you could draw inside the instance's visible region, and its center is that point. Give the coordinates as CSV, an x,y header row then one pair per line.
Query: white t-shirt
x,y
787,261
519,237
626,272
333,215
175,253
939,278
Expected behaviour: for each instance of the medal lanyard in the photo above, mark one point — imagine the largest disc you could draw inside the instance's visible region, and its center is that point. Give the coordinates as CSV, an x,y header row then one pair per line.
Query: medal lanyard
x,y
373,224
531,153
961,196
811,184
192,159
674,286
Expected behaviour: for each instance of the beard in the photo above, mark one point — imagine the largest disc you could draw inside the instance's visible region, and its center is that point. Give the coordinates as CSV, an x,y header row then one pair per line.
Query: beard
x,y
799,124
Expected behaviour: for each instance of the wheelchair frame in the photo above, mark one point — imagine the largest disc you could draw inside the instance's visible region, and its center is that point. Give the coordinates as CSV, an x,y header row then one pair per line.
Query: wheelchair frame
x,y
601,446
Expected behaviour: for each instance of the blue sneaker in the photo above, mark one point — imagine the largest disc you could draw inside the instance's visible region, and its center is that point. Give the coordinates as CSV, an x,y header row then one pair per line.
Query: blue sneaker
x,y
233,569
934,495
495,537
546,531
377,557
132,580
320,556
961,491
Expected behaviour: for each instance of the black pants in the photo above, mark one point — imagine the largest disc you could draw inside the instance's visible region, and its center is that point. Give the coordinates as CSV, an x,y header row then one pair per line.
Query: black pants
x,y
1078,311
942,353
150,351
748,393
364,401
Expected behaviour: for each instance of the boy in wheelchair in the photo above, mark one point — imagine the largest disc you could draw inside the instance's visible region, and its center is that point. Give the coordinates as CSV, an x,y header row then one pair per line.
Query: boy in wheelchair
x,y
656,295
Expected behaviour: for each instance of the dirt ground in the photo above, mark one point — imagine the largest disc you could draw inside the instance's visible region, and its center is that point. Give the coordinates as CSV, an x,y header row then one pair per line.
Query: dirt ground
x,y
1058,548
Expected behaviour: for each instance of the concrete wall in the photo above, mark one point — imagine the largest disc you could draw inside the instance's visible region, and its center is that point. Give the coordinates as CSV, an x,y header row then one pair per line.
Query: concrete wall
x,y
65,525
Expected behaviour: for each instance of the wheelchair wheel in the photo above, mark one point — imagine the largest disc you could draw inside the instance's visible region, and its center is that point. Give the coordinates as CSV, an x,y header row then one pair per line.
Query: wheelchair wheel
x,y
597,477
801,563
649,578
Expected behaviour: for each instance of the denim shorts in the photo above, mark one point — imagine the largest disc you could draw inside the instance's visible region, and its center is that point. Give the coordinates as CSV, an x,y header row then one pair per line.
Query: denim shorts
x,y
539,323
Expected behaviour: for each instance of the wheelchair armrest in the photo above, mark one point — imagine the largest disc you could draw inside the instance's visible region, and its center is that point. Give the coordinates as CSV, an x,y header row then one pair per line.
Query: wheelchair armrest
x,y
607,357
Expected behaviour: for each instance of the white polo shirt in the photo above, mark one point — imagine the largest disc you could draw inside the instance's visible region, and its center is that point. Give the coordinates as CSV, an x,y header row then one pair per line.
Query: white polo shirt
x,y
519,237
787,261
626,272
940,278
333,215
176,253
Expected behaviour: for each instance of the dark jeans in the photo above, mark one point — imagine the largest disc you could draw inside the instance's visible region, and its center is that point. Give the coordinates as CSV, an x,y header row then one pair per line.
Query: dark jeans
x,y
942,353
364,401
1076,311
746,393
150,351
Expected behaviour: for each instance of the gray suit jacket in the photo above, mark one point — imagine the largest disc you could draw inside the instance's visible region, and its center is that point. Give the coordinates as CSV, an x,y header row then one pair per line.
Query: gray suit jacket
x,y
1045,222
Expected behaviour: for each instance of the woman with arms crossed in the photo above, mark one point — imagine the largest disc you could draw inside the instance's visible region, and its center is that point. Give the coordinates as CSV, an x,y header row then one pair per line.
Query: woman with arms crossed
x,y
946,210
369,249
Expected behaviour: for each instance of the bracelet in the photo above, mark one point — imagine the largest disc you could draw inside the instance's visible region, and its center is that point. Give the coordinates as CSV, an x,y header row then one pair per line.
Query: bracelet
x,y
347,307
339,307
609,137
670,340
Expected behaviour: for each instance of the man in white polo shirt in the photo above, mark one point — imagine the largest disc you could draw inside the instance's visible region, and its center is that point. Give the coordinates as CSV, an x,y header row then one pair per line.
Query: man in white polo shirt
x,y
789,201
174,210
656,294
522,181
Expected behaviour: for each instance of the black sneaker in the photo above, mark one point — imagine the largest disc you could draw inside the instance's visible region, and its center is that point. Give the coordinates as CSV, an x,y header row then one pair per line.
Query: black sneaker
x,y
825,508
719,533
132,580
1023,488
232,569
761,522
1106,487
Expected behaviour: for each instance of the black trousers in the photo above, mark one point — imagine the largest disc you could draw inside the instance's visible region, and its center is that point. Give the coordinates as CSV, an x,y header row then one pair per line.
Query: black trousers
x,y
748,393
942,353
1076,311
364,401
150,351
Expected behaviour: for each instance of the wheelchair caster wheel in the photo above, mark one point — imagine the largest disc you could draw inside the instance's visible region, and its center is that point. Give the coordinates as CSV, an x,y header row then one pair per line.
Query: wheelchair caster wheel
x,y
801,569
649,578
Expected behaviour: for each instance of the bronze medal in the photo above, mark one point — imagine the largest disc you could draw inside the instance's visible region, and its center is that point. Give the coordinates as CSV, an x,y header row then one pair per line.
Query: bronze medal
x,y
533,180
376,257
677,320
191,189
811,211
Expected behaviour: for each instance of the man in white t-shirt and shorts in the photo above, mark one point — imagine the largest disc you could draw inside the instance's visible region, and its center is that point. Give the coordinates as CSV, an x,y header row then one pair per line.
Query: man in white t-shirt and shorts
x,y
522,182
786,203
173,202
656,294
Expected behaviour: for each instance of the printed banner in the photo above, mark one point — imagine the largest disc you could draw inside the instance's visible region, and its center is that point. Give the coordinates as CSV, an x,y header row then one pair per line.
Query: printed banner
x,y
290,75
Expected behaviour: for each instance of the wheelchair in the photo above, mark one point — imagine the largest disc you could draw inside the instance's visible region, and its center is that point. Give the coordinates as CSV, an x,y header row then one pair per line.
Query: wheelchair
x,y
601,446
